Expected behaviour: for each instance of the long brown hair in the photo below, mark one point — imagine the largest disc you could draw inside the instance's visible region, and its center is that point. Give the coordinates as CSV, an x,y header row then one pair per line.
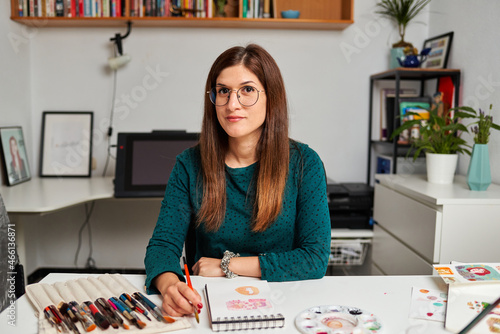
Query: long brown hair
x,y
272,148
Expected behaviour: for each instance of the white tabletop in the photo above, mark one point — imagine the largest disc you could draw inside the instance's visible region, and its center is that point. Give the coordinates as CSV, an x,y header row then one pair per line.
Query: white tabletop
x,y
388,297
440,194
40,195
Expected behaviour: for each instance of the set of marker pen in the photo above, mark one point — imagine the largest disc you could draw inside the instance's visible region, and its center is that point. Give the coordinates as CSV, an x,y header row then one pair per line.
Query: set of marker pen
x,y
155,310
84,318
98,304
56,319
104,313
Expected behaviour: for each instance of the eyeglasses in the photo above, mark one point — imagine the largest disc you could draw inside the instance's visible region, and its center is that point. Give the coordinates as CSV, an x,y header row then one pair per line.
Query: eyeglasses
x,y
247,95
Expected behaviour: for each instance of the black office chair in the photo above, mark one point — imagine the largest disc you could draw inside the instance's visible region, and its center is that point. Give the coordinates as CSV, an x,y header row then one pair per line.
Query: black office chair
x,y
11,271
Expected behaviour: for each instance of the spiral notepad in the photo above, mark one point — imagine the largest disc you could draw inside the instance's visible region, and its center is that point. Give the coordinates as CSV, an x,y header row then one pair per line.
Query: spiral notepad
x,y
242,305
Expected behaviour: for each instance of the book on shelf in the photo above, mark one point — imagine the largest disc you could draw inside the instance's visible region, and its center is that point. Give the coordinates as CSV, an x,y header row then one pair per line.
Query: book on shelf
x,y
387,101
144,8
242,304
417,105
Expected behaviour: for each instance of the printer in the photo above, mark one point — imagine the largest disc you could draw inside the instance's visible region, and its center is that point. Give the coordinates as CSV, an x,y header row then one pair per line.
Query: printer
x,y
351,205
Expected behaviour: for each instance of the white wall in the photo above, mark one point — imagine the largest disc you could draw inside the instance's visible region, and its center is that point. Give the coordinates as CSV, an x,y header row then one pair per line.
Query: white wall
x,y
475,51
15,84
327,80
326,90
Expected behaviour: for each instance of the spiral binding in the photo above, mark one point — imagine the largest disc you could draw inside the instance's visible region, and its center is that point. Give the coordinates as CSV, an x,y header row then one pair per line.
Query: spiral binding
x,y
253,322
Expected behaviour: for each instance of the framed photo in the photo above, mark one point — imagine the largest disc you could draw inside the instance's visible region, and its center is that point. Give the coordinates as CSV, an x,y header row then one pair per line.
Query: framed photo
x,y
440,50
14,156
66,145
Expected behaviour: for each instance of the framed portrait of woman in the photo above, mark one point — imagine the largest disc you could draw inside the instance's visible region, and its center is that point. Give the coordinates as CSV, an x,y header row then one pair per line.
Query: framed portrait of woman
x,y
14,155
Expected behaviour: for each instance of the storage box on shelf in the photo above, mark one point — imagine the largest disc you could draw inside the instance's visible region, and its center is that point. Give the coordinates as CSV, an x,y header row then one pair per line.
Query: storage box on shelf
x,y
399,75
314,15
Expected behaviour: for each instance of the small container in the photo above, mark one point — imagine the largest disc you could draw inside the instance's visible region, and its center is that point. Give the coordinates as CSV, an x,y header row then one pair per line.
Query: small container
x,y
290,14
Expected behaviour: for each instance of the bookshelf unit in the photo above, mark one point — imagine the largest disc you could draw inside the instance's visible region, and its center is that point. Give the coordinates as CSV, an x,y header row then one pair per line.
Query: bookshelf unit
x,y
314,15
397,75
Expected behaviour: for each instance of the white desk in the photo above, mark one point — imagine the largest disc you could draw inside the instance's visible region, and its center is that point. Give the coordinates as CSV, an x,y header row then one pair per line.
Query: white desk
x,y
46,195
388,297
43,195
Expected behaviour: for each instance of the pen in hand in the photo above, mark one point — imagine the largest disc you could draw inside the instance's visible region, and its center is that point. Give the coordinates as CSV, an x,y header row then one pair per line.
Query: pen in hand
x,y
188,279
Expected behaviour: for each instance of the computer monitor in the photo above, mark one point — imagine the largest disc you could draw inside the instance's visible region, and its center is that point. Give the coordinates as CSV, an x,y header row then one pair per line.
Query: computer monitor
x,y
144,161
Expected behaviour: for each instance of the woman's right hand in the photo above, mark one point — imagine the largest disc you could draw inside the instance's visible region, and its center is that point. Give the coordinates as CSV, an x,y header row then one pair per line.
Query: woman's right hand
x,y
178,298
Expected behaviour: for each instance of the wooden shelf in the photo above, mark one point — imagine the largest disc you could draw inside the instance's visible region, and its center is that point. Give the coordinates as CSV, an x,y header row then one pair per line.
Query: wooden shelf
x,y
317,15
232,22
415,73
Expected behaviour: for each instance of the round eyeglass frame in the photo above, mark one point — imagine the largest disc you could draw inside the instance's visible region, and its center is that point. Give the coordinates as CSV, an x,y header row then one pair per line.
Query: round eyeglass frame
x,y
212,91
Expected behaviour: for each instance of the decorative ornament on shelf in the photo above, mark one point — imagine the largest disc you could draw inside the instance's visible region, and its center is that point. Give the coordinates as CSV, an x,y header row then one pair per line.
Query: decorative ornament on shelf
x,y
478,173
439,135
402,12
412,58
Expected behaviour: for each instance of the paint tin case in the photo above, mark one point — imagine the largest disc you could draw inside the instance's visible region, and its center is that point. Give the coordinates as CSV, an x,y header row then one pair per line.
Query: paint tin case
x,y
337,319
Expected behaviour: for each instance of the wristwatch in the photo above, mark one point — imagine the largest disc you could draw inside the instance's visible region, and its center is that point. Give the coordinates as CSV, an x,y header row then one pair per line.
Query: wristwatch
x,y
224,264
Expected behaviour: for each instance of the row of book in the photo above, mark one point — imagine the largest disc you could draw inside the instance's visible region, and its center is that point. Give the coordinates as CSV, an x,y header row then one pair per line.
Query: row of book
x,y
113,8
257,9
143,8
71,8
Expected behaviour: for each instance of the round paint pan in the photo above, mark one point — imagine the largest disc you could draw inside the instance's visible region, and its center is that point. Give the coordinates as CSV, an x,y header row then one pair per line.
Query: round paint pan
x,y
337,319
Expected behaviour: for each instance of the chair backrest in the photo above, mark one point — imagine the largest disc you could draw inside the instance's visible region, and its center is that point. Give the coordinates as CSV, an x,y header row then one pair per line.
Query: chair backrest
x,y
11,271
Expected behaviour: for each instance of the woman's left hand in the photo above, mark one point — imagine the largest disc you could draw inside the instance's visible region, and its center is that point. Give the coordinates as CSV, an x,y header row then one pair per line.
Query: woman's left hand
x,y
209,267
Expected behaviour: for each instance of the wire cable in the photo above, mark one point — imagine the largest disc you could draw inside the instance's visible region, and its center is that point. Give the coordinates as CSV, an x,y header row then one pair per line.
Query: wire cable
x,y
110,128
88,213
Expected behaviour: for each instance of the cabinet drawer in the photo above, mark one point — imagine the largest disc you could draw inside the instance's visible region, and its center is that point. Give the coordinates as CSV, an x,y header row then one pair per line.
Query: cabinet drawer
x,y
413,223
394,258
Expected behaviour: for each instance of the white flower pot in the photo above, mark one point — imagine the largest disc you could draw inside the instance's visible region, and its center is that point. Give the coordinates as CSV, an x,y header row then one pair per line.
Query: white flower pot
x,y
441,167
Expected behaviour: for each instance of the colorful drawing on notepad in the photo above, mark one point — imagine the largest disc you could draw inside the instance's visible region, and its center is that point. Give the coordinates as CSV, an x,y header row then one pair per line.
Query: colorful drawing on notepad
x,y
247,290
444,270
478,273
250,304
449,280
494,324
428,304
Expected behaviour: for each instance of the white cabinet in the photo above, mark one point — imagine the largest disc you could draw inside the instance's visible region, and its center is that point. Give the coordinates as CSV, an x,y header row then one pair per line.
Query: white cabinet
x,y
420,224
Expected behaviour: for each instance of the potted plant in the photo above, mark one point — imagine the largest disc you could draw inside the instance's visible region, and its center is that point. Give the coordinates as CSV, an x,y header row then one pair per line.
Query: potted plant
x,y
439,137
478,173
401,12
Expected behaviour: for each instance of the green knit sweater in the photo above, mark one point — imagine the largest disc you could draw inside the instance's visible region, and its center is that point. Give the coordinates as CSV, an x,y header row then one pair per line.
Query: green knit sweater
x,y
295,247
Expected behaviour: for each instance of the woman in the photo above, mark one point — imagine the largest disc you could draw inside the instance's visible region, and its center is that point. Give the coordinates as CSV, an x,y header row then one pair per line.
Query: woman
x,y
17,167
248,188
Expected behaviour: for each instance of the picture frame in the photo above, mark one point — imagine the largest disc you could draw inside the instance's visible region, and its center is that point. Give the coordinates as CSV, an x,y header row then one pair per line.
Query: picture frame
x,y
14,155
66,144
440,51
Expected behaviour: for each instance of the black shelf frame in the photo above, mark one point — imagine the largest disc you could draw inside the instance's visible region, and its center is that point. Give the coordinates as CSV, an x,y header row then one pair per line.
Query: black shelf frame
x,y
407,74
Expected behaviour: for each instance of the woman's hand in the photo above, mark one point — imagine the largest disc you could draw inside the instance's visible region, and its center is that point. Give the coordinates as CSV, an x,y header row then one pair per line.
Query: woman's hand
x,y
209,267
178,298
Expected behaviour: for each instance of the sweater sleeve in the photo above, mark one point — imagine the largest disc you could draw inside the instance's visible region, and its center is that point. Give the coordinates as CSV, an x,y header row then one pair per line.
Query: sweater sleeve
x,y
309,258
165,246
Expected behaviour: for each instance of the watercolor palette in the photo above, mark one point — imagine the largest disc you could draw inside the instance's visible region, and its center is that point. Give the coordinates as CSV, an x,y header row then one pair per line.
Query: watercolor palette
x,y
337,319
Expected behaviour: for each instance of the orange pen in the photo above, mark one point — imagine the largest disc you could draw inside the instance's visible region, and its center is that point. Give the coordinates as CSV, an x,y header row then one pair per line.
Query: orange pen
x,y
188,279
